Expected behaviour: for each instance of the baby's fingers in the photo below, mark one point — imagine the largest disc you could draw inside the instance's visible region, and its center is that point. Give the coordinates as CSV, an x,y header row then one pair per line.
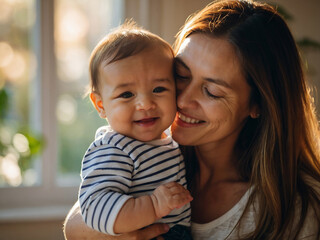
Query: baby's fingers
x,y
181,199
175,188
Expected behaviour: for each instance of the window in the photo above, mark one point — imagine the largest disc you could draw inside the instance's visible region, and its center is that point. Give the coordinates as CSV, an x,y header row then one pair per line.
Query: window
x,y
77,31
18,71
44,52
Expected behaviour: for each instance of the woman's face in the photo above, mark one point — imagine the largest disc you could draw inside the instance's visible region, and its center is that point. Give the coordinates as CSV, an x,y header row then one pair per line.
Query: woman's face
x,y
212,93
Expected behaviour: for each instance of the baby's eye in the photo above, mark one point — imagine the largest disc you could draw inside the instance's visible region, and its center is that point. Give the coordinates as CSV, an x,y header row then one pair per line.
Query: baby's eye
x,y
159,89
126,95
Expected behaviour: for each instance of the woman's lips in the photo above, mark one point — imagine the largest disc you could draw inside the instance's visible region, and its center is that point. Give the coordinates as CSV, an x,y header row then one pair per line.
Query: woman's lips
x,y
186,121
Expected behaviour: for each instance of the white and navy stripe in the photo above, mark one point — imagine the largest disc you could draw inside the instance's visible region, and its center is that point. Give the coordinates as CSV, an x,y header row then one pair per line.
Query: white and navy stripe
x,y
116,168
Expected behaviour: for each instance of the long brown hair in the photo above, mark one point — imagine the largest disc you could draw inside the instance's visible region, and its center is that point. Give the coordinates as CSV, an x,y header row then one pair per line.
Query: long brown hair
x,y
279,151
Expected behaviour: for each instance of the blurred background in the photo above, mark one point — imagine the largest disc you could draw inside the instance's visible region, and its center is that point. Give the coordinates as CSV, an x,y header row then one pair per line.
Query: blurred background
x,y
46,123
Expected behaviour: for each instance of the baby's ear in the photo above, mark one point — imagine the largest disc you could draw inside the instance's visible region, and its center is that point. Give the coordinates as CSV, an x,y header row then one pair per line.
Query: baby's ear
x,y
98,104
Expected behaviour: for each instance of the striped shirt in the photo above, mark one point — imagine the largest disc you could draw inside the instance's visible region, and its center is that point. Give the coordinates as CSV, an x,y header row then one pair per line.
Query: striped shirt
x,y
116,168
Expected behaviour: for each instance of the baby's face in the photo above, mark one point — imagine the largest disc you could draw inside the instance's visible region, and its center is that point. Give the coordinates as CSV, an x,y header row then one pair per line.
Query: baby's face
x,y
138,93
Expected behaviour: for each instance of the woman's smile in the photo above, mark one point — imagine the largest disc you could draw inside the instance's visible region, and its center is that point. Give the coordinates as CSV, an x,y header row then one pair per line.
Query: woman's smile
x,y
185,120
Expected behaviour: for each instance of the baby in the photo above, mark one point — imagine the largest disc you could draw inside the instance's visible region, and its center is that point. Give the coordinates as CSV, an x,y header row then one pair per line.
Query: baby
x,y
133,174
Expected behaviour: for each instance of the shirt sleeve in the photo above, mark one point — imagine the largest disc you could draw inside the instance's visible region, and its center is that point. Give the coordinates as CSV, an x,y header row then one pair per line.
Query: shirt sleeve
x,y
106,178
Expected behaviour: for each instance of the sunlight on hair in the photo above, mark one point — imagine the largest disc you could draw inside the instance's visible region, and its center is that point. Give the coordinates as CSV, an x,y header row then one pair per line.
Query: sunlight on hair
x,y
66,109
10,170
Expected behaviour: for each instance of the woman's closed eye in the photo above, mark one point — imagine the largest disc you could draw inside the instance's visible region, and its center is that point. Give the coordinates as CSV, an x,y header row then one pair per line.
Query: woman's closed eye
x,y
126,94
211,95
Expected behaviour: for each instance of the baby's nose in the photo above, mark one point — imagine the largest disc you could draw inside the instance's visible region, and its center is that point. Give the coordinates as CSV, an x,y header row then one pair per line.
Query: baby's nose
x,y
145,103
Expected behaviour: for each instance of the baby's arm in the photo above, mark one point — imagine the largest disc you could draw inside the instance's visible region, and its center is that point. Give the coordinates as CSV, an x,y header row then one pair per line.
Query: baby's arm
x,y
106,177
145,210
76,229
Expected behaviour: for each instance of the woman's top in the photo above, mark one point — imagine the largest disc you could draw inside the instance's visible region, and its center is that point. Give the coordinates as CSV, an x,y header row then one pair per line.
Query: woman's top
x,y
224,227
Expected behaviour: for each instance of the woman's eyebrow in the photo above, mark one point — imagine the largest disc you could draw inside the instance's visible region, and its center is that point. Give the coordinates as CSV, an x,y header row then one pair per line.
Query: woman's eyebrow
x,y
179,61
218,82
212,80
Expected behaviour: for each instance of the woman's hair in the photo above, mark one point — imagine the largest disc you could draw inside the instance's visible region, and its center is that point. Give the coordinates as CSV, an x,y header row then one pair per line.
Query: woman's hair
x,y
280,151
127,40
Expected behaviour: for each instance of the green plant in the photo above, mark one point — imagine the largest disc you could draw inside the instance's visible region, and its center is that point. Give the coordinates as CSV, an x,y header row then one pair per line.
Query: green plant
x,y
19,145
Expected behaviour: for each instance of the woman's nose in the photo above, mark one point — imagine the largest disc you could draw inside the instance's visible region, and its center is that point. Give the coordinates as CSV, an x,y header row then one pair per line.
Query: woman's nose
x,y
186,97
145,103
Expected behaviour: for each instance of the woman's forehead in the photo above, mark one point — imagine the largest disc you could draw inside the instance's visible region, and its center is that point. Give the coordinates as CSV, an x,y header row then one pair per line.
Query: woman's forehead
x,y
208,52
211,58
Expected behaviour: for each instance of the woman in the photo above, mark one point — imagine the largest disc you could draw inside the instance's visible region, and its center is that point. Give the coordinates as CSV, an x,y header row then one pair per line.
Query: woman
x,y
248,127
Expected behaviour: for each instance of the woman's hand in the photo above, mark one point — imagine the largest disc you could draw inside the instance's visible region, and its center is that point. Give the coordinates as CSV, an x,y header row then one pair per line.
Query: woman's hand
x,y
76,229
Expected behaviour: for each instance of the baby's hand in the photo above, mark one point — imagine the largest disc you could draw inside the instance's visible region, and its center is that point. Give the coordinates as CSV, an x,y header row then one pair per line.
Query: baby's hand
x,y
168,197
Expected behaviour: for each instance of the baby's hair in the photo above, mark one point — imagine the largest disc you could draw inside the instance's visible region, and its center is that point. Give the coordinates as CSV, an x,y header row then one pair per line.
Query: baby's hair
x,y
126,40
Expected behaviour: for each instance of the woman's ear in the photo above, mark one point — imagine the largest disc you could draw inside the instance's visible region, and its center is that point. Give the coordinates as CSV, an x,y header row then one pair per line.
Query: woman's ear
x,y
254,113
97,103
